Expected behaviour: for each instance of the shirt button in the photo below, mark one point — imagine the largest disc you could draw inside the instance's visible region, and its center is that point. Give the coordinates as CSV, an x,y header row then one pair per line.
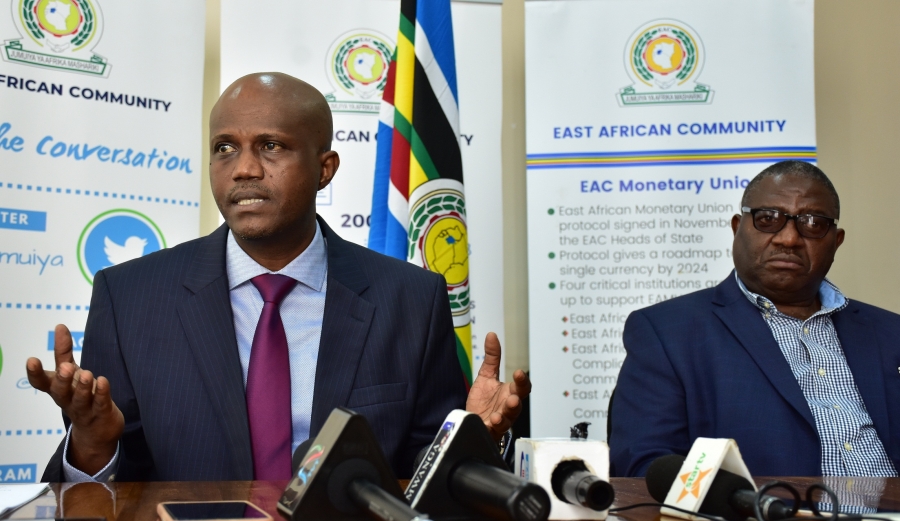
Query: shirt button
x,y
821,372
768,315
848,446
836,406
767,305
806,330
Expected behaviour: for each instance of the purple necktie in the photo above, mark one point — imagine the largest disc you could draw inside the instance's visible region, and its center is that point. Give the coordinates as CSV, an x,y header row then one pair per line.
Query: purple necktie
x,y
269,384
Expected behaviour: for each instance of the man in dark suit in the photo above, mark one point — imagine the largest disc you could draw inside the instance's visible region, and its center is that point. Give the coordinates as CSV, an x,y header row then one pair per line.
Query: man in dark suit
x,y
173,337
774,357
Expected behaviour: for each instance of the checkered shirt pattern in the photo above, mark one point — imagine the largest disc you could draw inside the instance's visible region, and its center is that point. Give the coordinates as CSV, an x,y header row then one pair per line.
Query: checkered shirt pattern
x,y
861,495
850,445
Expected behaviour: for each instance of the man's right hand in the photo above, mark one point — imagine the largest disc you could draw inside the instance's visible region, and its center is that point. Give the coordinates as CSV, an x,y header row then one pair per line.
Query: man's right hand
x,y
97,423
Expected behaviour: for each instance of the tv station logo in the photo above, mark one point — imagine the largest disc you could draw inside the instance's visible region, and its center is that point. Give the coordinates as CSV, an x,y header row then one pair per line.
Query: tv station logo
x,y
114,237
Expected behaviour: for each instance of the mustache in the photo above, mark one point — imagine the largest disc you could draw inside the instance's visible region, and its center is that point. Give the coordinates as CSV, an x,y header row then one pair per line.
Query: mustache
x,y
784,252
251,187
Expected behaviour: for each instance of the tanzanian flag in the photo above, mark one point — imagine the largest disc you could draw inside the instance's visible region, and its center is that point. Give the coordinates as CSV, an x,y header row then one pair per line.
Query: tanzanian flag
x,y
418,205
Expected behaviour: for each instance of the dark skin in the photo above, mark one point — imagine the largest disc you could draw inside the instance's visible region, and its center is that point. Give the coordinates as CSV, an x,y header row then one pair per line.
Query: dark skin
x,y
97,423
786,267
270,152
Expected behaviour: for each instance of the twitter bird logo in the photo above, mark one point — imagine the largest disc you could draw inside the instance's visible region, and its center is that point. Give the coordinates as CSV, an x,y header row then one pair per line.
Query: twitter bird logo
x,y
117,254
114,237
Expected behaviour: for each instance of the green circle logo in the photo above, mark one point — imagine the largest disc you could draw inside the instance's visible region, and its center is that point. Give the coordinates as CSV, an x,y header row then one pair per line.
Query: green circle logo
x,y
114,237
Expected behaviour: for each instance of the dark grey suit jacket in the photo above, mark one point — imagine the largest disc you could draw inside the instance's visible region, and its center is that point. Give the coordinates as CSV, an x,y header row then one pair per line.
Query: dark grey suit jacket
x,y
160,328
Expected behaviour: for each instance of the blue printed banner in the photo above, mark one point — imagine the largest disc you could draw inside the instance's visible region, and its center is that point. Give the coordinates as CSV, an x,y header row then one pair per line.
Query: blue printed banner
x,y
638,152
100,163
77,340
23,220
26,473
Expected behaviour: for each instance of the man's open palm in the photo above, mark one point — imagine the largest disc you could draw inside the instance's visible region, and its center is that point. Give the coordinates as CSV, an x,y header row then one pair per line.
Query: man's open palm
x,y
498,403
97,423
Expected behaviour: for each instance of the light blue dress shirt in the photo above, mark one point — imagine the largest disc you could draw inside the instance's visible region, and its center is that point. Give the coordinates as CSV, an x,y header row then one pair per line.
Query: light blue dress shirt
x,y
302,311
850,445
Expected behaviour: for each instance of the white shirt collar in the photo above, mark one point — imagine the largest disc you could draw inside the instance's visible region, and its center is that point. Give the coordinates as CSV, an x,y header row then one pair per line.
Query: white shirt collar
x,y
829,295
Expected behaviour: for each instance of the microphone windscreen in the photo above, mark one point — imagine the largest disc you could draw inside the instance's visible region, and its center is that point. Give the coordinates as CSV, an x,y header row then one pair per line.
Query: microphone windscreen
x,y
419,457
660,475
297,458
721,491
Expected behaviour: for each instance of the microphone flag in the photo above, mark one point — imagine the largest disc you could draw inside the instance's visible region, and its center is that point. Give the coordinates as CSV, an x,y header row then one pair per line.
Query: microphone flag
x,y
418,201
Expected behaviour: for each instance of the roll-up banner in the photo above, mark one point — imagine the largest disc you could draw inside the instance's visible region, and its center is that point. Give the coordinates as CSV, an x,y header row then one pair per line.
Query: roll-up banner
x,y
342,47
645,122
100,109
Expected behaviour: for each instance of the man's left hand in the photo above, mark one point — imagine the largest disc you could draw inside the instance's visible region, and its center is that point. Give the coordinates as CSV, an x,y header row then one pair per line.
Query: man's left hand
x,y
498,403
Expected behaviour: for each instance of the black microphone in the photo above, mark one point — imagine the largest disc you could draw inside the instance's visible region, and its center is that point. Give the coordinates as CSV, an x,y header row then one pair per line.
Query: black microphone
x,y
297,458
462,476
729,496
343,473
573,483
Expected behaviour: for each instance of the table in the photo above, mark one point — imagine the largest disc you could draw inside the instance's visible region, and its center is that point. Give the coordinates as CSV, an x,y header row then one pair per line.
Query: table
x,y
137,501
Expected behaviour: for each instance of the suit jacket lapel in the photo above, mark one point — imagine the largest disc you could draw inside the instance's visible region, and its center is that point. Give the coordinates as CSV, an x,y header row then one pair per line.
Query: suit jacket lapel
x,y
345,326
209,326
742,318
863,355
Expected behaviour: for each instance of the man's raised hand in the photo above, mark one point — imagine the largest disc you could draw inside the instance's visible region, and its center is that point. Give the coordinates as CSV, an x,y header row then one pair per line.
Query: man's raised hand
x,y
97,423
498,403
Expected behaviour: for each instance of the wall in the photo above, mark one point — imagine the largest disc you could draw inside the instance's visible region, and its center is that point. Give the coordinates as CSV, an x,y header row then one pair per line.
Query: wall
x,y
209,213
857,116
857,125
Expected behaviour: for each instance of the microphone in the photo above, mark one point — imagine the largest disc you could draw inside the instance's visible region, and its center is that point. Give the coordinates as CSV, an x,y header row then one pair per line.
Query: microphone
x,y
729,496
297,458
575,469
462,476
573,483
343,474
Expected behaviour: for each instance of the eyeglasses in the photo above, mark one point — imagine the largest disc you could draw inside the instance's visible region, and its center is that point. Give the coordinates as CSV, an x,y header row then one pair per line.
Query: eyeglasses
x,y
772,221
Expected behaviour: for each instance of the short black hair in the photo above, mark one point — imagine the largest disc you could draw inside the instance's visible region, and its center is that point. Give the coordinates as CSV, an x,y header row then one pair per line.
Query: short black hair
x,y
798,169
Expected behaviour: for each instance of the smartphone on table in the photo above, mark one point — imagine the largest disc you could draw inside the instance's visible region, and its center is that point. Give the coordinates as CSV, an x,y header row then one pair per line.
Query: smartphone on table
x,y
210,511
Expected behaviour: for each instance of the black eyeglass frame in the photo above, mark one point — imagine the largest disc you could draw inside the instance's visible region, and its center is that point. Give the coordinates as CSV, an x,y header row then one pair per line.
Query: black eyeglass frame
x,y
789,217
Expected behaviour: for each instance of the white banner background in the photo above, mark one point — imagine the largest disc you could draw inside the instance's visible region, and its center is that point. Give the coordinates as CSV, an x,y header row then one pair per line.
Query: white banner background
x,y
154,51
597,250
298,44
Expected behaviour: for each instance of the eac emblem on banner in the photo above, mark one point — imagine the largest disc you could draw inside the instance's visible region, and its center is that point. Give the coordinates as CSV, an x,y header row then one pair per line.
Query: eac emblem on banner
x,y
57,34
357,66
663,59
438,239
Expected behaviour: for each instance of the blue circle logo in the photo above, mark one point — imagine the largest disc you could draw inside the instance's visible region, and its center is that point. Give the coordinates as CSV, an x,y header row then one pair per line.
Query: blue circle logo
x,y
114,237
